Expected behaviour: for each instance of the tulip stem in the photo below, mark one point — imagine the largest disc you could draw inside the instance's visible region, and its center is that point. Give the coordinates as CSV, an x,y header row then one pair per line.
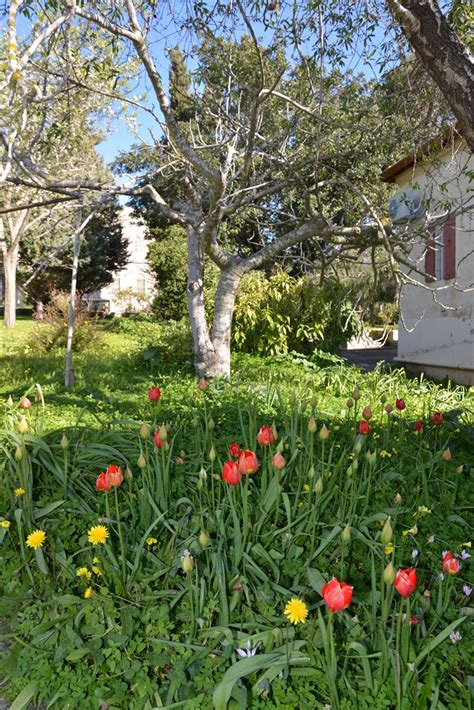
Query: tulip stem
x,y
122,545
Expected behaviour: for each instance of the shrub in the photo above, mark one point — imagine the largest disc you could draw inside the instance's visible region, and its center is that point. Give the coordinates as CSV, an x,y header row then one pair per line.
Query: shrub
x,y
51,331
280,314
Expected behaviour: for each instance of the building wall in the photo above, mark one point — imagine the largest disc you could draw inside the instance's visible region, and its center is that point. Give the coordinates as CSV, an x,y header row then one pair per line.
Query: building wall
x,y
436,328
133,288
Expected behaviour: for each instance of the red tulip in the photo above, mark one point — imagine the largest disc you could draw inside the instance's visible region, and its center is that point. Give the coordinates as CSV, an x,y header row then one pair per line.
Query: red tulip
x,y
405,581
158,441
418,426
265,436
114,475
231,473
450,564
234,450
437,418
248,462
25,403
364,428
154,394
278,462
337,595
388,408
367,413
202,384
102,483
400,404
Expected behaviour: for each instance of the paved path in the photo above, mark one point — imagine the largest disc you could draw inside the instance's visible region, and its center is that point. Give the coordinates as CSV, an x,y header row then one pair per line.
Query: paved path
x,y
368,358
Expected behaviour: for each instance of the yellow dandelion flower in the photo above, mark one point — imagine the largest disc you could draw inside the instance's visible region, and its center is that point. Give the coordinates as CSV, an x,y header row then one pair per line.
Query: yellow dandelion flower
x,y
423,510
88,593
97,535
306,487
96,570
36,539
385,453
83,572
5,524
95,561
411,531
296,611
389,549
151,541
19,492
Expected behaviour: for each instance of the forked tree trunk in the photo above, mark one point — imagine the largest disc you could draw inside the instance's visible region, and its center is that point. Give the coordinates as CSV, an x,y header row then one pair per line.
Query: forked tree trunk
x,y
10,262
211,353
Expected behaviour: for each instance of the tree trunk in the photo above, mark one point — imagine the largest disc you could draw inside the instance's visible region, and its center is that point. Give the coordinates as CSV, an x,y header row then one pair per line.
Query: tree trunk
x,y
10,261
445,57
223,311
211,355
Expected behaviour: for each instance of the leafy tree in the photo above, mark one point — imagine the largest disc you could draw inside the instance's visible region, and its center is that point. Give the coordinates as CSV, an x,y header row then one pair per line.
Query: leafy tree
x,y
281,138
104,250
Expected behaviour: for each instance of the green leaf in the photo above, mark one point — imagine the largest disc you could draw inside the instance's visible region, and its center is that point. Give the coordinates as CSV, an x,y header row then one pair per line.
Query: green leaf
x,y
40,561
77,654
316,579
23,699
240,669
41,512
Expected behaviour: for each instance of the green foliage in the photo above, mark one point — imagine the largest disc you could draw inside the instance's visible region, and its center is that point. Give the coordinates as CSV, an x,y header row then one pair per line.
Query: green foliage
x,y
282,313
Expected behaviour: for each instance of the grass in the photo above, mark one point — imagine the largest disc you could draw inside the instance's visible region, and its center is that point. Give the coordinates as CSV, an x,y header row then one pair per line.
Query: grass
x,y
193,568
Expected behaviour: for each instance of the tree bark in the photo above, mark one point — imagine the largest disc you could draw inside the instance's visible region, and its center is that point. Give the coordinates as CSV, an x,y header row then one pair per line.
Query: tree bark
x,y
10,261
223,311
445,57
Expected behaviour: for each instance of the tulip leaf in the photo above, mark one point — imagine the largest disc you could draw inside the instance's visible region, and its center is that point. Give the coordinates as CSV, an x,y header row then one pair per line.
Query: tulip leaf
x,y
41,512
246,666
23,699
316,579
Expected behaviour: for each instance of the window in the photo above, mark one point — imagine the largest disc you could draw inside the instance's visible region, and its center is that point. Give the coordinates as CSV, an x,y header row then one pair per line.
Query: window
x,y
440,254
141,285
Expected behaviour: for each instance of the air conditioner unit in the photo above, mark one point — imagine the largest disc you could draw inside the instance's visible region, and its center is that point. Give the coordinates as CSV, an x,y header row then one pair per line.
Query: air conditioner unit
x,y
407,206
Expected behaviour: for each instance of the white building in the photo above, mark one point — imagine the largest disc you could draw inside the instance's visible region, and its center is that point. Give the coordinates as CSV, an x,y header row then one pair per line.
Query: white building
x,y
133,288
436,330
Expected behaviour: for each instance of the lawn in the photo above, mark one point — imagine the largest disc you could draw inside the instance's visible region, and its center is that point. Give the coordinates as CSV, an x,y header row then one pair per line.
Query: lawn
x,y
145,566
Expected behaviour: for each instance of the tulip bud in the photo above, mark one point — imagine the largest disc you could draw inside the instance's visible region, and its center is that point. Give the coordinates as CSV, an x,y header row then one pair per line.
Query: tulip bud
x,y
64,443
383,399
371,457
312,425
324,433
187,562
23,426
145,431
203,538
128,473
202,475
446,455
303,405
314,401
211,424
350,403
397,499
311,473
141,462
162,433
387,532
319,486
358,445
389,574
194,422
280,447
346,534
355,393
388,408
460,469
293,399
18,454
202,384
367,413
212,454
274,431
278,462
